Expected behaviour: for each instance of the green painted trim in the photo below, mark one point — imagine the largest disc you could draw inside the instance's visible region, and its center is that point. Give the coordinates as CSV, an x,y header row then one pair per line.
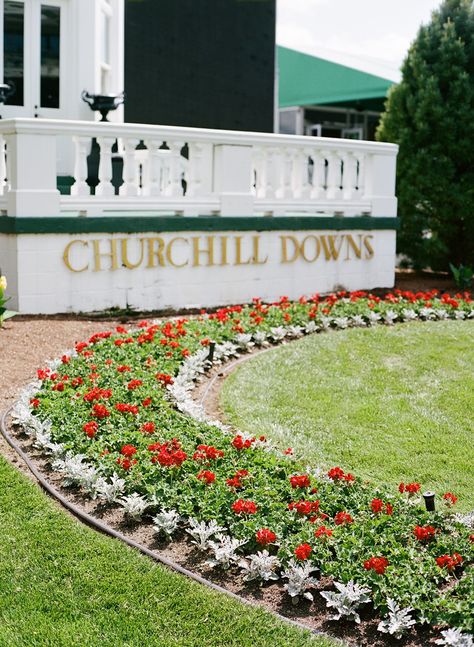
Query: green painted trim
x,y
158,224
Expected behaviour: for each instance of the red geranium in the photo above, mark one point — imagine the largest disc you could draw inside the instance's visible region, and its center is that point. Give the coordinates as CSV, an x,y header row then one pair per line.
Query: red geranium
x,y
411,488
450,562
424,533
303,551
100,411
304,508
91,428
207,476
148,427
300,481
322,531
134,384
239,443
378,506
264,537
244,507
377,564
450,498
164,378
128,450
342,518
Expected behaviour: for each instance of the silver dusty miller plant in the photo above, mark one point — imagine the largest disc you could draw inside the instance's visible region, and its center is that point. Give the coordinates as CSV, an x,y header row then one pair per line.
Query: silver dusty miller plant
x,y
299,579
110,491
201,532
398,621
455,638
134,505
347,601
260,566
166,522
224,551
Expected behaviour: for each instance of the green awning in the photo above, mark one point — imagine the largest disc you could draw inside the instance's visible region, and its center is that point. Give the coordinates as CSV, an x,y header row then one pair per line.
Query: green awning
x,y
307,80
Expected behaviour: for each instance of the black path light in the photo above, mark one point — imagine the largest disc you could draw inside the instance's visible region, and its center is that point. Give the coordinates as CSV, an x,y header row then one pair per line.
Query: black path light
x,y
429,498
212,348
103,103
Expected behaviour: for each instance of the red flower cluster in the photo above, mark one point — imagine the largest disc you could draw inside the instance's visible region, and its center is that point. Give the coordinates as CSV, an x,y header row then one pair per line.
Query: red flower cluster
x,y
411,488
148,427
128,450
98,336
322,531
207,453
164,378
264,537
377,564
379,506
424,533
91,428
123,369
34,403
100,411
304,508
300,481
123,407
303,551
449,561
168,454
342,518
126,463
97,394
207,476
239,443
450,498
134,384
337,474
236,480
244,507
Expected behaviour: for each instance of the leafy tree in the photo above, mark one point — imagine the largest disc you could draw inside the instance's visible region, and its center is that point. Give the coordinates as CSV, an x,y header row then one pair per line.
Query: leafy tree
x,y
430,114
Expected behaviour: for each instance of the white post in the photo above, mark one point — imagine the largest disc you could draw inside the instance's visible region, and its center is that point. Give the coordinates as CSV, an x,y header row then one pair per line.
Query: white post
x,y
32,170
380,173
233,179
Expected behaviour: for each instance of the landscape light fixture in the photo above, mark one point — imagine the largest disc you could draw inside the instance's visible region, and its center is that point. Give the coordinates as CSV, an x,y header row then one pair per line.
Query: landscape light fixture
x,y
212,348
429,498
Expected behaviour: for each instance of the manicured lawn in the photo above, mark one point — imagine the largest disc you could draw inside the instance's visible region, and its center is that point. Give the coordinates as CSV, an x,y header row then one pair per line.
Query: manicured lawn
x,y
390,404
62,584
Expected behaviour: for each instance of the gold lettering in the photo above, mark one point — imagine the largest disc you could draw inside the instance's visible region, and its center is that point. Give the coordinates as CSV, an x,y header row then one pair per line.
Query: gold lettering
x,y
256,260
352,244
317,250
370,250
155,254
238,252
197,251
224,240
124,250
67,260
169,250
329,246
284,249
112,254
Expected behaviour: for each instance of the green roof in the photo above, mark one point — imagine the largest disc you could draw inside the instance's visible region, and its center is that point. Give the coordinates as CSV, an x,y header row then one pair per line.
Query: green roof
x,y
307,80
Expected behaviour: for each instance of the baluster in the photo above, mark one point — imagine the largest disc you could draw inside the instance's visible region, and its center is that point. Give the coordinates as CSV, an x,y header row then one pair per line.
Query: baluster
x,y
334,175
259,171
360,180
154,185
193,177
174,188
130,167
270,173
287,170
3,165
349,177
81,150
105,187
301,174
318,179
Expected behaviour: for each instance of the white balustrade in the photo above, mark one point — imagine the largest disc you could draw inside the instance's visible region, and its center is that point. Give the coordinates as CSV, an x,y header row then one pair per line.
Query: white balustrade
x,y
188,170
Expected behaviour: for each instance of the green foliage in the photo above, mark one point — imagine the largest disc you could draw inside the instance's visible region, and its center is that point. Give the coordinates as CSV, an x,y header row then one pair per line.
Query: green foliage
x,y
99,401
429,114
462,276
4,313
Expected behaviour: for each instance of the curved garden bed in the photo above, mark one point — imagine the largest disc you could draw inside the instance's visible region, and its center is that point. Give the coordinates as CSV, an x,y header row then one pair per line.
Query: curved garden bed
x,y
114,416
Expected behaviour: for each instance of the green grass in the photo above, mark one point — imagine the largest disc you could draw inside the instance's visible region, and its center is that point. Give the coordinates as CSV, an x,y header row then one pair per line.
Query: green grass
x,y
391,404
62,584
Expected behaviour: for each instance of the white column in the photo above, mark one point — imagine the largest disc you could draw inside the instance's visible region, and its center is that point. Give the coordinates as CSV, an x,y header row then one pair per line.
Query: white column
x,y
233,170
32,170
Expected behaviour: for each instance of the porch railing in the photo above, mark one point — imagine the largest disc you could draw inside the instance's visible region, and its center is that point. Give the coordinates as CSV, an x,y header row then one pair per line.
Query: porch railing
x,y
123,168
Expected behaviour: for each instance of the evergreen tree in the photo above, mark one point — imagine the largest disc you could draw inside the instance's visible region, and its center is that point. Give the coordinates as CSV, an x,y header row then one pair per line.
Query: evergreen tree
x,y
430,114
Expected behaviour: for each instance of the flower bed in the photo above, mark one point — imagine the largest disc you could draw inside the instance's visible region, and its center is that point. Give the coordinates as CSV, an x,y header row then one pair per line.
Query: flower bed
x,y
117,417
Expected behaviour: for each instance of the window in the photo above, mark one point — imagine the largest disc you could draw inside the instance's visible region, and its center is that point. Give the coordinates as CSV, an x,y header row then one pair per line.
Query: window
x,y
13,49
50,59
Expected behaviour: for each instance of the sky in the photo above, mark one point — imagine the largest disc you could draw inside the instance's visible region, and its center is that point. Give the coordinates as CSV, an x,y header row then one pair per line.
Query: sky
x,y
371,35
